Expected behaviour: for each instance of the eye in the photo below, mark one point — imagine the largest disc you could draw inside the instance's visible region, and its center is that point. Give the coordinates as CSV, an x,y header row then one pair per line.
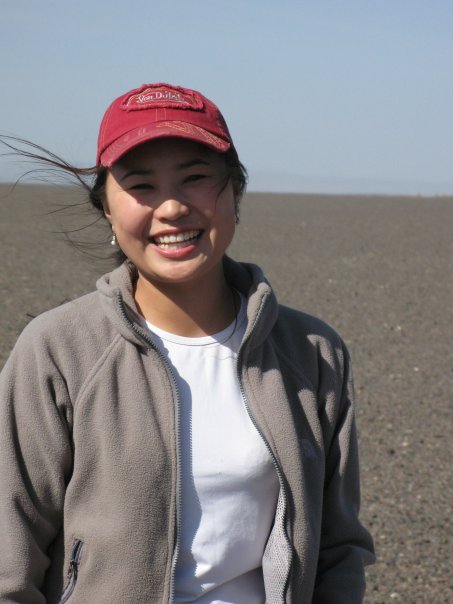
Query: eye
x,y
195,177
142,186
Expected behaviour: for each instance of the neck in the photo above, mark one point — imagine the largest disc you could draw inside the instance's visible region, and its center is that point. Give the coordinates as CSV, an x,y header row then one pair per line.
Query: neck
x,y
189,309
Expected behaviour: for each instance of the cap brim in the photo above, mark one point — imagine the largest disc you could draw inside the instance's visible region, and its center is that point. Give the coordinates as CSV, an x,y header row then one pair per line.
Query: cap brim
x,y
145,133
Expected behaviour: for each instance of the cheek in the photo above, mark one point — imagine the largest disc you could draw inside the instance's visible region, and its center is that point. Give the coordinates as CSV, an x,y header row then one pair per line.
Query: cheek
x,y
224,201
225,218
227,207
129,217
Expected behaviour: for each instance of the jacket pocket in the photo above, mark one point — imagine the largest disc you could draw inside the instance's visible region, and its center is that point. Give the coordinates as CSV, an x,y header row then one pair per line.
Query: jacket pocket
x,y
73,571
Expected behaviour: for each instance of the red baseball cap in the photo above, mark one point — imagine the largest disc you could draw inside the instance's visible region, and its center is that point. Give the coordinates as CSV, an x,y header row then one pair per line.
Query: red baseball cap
x,y
156,111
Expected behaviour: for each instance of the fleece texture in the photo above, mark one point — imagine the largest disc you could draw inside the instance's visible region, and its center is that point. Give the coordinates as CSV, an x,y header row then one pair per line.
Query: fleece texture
x,y
89,455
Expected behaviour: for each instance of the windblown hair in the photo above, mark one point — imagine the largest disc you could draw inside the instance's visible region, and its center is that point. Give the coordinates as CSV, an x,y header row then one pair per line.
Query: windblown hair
x,y
93,179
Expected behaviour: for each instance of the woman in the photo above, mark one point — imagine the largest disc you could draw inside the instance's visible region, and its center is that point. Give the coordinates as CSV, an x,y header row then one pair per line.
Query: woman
x,y
177,436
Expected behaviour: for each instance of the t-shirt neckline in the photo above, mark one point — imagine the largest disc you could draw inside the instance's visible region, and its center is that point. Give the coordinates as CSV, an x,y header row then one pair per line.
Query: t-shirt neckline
x,y
217,338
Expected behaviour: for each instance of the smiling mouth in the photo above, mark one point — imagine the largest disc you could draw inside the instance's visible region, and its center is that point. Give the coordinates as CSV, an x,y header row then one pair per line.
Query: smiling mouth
x,y
177,241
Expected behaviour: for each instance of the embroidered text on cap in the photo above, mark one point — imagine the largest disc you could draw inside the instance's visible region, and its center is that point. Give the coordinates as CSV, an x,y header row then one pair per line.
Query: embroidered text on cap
x,y
161,96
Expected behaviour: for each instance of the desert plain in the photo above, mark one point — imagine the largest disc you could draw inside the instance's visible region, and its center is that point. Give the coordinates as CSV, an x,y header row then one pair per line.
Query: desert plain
x,y
380,271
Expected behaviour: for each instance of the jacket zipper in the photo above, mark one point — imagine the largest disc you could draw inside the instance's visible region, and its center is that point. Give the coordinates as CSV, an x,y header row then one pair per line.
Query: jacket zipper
x,y
258,429
145,336
73,571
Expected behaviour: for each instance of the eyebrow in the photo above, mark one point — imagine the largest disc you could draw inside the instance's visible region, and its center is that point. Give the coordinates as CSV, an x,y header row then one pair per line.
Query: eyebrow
x,y
147,172
193,162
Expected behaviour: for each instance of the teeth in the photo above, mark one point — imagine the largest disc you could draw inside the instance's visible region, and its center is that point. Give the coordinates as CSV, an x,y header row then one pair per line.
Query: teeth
x,y
178,238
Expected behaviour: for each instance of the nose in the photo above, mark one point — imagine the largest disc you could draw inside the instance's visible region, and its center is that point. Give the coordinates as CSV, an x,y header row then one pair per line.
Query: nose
x,y
171,208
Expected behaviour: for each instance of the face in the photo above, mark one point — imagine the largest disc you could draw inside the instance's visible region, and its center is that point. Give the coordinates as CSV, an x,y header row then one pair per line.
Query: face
x,y
172,213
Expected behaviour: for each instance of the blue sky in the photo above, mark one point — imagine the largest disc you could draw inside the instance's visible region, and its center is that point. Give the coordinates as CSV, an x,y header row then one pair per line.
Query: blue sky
x,y
320,95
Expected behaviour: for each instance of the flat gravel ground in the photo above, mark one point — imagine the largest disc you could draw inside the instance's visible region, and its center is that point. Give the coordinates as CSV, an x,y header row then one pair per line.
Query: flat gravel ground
x,y
380,271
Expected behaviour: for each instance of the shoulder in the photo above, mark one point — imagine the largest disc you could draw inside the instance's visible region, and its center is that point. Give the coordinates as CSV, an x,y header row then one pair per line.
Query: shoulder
x,y
307,344
295,325
74,333
77,315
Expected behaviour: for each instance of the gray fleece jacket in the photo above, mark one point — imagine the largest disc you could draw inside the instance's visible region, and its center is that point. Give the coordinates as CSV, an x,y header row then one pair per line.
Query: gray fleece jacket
x,y
89,484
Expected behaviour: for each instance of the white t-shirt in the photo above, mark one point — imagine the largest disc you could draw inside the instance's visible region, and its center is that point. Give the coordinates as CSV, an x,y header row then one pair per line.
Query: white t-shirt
x,y
229,484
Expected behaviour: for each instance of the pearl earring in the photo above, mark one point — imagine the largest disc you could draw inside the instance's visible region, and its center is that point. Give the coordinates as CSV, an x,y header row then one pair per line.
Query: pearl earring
x,y
113,239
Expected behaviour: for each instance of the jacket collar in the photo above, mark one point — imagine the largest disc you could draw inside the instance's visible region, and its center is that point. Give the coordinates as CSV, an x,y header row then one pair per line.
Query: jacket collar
x,y
117,295
262,307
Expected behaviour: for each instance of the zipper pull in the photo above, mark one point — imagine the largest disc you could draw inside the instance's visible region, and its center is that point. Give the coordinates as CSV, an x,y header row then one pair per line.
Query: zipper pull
x,y
73,568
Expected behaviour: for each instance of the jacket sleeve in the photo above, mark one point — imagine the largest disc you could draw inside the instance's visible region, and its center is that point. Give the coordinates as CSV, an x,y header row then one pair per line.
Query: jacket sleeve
x,y
35,463
346,546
